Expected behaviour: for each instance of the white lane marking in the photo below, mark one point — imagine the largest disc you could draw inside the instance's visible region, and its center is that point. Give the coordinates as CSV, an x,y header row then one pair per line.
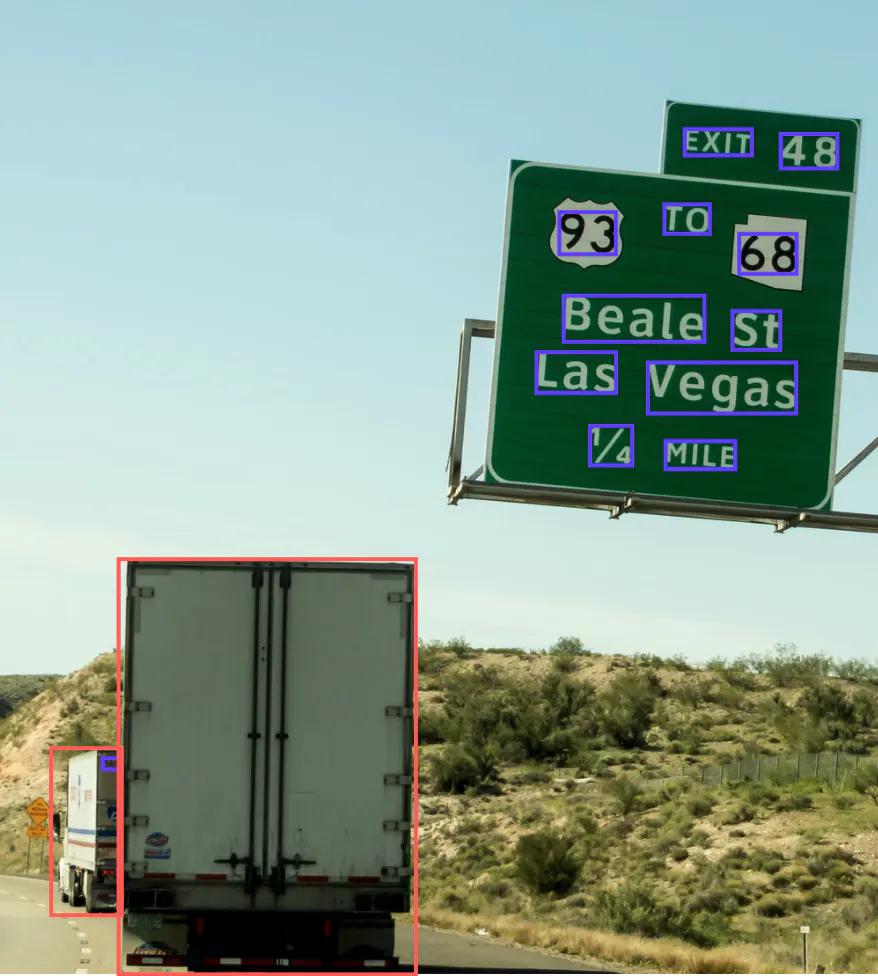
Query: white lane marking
x,y
22,898
39,904
84,951
80,970
70,921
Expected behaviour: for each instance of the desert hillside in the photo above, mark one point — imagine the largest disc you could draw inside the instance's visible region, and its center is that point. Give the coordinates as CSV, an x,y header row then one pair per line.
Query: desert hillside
x,y
78,709
16,689
652,813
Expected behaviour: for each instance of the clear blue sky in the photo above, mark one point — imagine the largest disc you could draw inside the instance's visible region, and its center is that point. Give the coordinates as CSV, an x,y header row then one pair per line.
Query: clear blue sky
x,y
237,240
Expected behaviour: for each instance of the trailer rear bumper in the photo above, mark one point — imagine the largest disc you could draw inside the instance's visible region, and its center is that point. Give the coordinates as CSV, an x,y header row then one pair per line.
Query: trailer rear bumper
x,y
264,941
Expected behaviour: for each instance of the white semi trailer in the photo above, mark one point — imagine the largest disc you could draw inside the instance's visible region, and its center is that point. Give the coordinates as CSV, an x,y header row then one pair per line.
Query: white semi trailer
x,y
87,869
268,742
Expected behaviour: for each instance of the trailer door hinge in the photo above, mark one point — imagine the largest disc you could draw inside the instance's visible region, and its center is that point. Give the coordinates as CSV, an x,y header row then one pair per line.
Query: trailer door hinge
x,y
391,873
138,706
141,591
397,825
399,598
396,779
398,711
137,774
137,820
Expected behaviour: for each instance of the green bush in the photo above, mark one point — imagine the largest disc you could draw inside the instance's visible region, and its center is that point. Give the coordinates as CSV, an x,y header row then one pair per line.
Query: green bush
x,y
625,708
866,781
626,791
430,728
546,863
565,663
761,859
432,658
699,804
793,801
636,908
772,906
857,914
786,667
822,864
529,777
737,813
460,647
867,886
856,671
568,646
457,769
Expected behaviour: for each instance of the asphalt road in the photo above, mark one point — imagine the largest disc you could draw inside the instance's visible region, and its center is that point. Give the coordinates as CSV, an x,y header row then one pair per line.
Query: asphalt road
x,y
32,942
448,952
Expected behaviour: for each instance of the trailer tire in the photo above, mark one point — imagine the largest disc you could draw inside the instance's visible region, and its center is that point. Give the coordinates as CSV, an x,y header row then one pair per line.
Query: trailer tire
x,y
88,892
76,898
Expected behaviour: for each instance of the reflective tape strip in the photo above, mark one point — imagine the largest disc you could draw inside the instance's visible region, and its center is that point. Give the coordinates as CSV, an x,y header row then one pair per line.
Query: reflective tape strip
x,y
211,877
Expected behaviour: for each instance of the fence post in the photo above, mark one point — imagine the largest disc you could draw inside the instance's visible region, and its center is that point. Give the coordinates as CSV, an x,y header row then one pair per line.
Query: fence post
x,y
798,766
817,767
702,774
835,774
722,769
758,768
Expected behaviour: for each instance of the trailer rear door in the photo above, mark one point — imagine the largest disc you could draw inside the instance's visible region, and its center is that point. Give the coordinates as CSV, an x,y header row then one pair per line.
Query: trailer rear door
x,y
346,766
188,680
268,731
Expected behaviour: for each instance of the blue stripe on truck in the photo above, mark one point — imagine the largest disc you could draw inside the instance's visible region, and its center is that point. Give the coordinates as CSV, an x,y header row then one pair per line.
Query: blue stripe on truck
x,y
100,831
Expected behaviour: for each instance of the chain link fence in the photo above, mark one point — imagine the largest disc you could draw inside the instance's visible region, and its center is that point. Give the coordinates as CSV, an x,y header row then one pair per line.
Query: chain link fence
x,y
825,767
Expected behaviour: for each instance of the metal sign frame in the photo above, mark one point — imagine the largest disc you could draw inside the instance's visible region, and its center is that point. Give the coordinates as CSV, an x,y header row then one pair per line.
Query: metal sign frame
x,y
620,503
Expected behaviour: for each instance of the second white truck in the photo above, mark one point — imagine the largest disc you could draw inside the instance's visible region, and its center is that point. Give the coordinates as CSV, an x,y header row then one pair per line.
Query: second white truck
x,y
87,826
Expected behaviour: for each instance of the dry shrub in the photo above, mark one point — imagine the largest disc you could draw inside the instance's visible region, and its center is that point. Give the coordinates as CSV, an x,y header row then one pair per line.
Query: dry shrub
x,y
655,955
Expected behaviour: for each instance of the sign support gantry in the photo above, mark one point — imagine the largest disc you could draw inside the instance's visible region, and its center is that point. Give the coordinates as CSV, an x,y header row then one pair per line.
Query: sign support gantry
x,y
620,503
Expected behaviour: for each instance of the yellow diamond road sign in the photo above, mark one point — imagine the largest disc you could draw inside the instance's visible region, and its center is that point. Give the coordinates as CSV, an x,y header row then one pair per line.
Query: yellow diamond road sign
x,y
37,831
38,810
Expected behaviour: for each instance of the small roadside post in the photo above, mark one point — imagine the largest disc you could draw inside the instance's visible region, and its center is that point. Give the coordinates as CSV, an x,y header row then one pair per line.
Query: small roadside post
x,y
804,929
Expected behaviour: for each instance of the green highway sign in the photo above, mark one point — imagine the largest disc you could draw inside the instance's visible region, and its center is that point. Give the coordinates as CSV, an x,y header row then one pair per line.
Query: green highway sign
x,y
760,147
670,336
